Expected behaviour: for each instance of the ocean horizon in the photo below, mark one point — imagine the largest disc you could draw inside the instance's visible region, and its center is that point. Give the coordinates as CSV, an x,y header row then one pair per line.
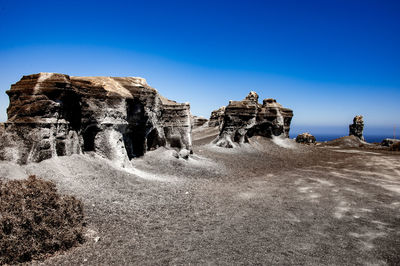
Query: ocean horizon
x,y
329,137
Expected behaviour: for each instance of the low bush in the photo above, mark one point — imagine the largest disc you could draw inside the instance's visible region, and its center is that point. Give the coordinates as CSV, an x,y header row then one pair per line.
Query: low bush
x,y
36,221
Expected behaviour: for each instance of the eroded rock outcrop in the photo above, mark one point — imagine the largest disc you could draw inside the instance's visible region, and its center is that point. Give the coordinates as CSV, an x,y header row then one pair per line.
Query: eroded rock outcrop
x,y
356,129
388,142
198,121
395,146
247,118
217,117
118,118
305,138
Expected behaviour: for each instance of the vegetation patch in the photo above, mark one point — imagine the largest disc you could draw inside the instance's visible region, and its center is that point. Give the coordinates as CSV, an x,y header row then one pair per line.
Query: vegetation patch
x,y
36,221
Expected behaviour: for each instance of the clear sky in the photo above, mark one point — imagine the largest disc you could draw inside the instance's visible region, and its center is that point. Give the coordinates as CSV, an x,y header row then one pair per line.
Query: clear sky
x,y
327,60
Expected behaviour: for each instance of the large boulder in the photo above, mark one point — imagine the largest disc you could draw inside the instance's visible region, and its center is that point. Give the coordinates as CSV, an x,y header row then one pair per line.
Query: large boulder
x,y
247,118
118,118
305,138
357,128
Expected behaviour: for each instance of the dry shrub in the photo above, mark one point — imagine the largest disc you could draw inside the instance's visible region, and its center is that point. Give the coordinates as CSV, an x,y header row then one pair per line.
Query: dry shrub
x,y
36,221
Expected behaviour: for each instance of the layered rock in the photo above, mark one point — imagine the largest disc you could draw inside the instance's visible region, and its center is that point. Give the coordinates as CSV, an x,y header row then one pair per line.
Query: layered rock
x,y
118,118
198,121
357,128
305,138
247,118
217,117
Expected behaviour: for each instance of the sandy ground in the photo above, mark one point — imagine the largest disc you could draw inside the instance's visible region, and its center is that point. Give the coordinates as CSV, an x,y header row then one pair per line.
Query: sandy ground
x,y
257,204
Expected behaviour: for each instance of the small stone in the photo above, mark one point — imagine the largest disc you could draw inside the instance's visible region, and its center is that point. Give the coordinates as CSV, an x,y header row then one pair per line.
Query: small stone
x,y
175,154
184,154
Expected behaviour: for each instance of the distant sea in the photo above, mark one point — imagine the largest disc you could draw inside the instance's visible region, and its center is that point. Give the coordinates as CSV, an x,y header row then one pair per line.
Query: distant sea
x,y
368,138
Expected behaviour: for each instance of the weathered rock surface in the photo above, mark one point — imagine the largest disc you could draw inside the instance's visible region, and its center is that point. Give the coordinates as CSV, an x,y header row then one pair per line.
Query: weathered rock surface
x,y
393,144
118,118
356,129
198,121
305,138
346,142
247,118
389,142
217,117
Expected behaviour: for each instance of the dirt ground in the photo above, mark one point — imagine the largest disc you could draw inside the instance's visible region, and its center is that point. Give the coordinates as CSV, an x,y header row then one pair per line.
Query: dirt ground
x,y
257,204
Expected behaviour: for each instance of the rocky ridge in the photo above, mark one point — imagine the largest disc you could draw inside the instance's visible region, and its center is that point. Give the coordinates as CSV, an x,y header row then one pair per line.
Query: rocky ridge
x,y
118,118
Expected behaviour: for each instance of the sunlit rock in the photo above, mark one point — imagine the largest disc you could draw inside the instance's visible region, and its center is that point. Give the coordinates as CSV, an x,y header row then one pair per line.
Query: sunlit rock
x,y
118,118
247,118
305,138
357,128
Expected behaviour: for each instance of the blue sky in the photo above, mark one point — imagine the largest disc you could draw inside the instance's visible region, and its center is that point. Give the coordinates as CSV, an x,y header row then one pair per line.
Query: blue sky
x,y
327,60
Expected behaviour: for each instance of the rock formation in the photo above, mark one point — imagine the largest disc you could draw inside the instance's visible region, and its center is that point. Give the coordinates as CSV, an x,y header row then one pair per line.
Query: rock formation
x,y
247,118
395,146
118,118
356,129
305,138
388,142
198,121
217,117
